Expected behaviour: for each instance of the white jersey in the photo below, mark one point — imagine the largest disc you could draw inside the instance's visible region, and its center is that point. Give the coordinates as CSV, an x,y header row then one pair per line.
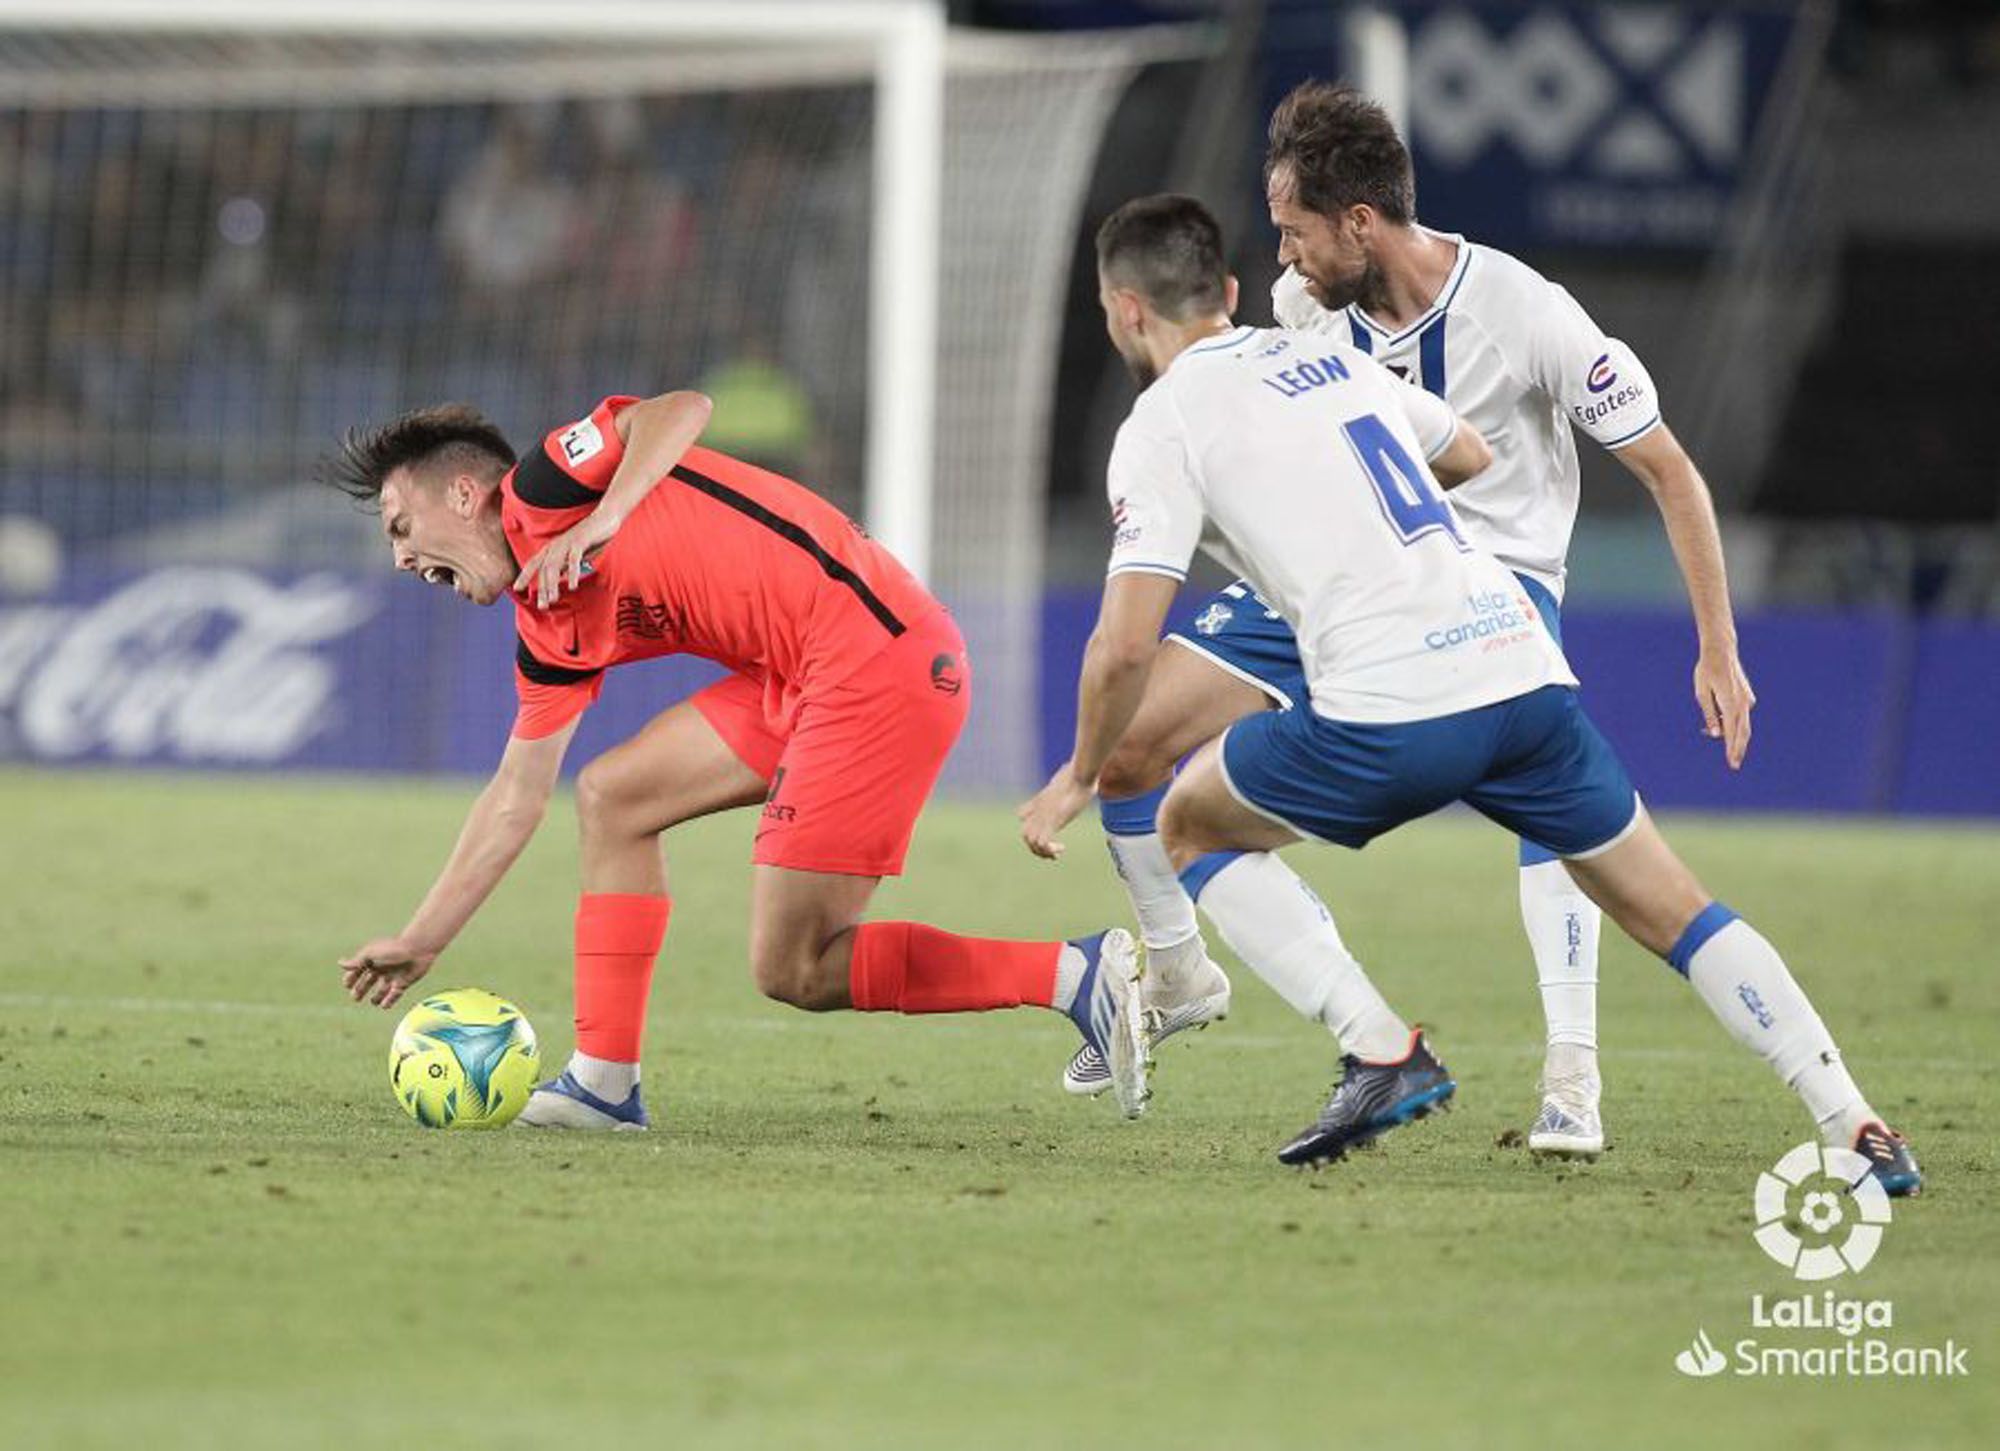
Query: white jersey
x,y
1298,462
1517,358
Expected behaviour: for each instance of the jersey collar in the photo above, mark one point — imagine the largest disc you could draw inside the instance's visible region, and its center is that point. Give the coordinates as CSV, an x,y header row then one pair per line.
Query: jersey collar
x,y
1220,343
1446,293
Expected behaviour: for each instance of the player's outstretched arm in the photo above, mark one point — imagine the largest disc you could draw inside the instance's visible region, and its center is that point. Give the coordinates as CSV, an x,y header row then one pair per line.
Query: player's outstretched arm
x,y
1721,688
656,433
498,827
1116,664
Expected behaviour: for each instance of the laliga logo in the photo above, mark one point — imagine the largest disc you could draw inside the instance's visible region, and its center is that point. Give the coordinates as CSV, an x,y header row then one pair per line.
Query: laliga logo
x,y
1820,1213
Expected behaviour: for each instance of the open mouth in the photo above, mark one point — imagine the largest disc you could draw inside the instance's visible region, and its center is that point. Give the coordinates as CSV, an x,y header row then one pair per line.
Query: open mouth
x,y
439,574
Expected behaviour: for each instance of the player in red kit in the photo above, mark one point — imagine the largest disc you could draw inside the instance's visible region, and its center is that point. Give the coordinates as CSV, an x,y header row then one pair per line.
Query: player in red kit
x,y
619,539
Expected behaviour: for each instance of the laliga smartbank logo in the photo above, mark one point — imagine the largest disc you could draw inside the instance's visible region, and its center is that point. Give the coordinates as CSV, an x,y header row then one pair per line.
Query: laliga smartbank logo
x,y
1820,1214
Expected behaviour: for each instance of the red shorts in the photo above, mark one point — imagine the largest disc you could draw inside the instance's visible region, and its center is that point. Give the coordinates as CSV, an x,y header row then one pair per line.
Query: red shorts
x,y
851,776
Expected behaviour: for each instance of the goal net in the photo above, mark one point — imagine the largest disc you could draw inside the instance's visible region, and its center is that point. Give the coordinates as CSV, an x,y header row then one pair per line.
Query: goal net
x,y
222,245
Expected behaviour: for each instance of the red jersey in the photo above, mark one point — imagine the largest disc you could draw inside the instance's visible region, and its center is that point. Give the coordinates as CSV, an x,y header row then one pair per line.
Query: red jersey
x,y
722,559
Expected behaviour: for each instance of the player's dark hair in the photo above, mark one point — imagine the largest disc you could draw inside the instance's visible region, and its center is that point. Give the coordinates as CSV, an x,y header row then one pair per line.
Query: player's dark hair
x,y
1168,249
1342,150
452,437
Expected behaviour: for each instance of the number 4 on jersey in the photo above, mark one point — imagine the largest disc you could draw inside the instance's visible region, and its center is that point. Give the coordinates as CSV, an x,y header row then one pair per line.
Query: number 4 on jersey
x,y
1414,507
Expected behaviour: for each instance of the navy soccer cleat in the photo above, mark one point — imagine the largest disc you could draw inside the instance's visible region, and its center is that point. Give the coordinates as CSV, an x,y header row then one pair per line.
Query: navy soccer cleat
x,y
1889,1159
563,1103
1373,1098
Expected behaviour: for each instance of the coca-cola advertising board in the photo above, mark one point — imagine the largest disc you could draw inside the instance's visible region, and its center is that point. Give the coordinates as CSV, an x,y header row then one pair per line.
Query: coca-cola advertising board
x,y
208,666
219,667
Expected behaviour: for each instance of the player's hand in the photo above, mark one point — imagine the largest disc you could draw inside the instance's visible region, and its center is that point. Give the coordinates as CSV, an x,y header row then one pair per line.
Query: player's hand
x,y
1053,807
558,565
383,970
1724,694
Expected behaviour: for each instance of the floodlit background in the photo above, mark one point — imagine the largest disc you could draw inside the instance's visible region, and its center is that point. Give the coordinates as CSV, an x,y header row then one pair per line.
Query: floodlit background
x,y
232,745
218,250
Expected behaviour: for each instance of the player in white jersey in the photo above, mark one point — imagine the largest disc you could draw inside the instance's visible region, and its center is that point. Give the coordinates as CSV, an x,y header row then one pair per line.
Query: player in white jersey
x,y
1429,680
1514,354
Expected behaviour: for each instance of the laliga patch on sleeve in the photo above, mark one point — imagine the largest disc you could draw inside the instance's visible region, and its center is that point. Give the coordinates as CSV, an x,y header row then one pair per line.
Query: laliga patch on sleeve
x,y
580,442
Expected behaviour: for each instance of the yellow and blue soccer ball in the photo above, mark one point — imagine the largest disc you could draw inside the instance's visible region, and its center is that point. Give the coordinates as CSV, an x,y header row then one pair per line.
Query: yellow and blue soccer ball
x,y
464,1059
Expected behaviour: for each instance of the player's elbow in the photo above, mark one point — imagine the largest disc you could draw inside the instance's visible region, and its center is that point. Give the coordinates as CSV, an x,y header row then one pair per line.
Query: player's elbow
x,y
1118,654
1466,456
1478,452
690,406
518,813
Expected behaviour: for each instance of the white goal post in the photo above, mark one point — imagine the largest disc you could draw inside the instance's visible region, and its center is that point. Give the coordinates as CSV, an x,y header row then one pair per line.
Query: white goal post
x,y
236,227
905,40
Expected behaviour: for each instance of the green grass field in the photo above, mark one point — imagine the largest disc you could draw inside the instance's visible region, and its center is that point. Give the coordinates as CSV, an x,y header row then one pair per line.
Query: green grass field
x,y
217,1228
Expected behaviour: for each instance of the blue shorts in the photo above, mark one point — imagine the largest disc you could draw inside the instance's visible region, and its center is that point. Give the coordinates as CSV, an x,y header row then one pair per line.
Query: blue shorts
x,y
1239,632
1534,764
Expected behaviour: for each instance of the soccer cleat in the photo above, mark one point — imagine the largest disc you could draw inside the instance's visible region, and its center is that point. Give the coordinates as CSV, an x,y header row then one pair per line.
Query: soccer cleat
x,y
1106,1012
1889,1159
1373,1098
1569,1126
1164,1011
563,1103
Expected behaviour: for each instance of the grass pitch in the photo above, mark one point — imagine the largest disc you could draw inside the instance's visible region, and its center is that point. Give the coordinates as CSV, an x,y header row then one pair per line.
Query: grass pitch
x,y
218,1230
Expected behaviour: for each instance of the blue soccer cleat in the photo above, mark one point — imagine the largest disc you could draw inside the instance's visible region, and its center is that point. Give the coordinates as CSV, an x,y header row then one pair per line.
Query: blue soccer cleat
x,y
563,1103
1106,1012
1373,1098
1889,1159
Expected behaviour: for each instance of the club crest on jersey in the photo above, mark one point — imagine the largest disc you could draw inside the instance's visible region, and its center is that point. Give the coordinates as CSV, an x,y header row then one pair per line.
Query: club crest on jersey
x,y
580,441
646,621
1211,620
1602,375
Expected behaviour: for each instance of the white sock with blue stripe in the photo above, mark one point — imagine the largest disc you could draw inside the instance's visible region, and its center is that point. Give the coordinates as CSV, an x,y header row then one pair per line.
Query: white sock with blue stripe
x,y
1285,934
1748,987
1166,914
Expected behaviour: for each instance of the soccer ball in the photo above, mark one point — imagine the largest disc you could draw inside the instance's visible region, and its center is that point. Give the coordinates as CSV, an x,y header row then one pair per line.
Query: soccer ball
x,y
463,1059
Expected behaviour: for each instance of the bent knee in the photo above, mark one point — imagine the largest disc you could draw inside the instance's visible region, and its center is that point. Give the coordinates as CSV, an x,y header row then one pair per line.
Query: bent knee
x,y
795,980
1180,831
600,795
1137,766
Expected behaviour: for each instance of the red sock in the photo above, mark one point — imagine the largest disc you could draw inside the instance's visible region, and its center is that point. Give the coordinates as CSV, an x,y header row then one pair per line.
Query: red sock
x,y
906,967
618,937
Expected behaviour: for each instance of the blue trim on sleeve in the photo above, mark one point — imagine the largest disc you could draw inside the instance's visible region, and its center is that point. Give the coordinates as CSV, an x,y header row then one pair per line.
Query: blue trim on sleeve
x,y
1709,921
1647,427
1134,815
1197,874
1142,566
1430,356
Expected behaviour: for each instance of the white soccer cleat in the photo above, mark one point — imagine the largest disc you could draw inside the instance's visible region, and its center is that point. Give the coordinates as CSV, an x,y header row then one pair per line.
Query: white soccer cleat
x,y
1107,1013
1199,998
1569,1125
563,1103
